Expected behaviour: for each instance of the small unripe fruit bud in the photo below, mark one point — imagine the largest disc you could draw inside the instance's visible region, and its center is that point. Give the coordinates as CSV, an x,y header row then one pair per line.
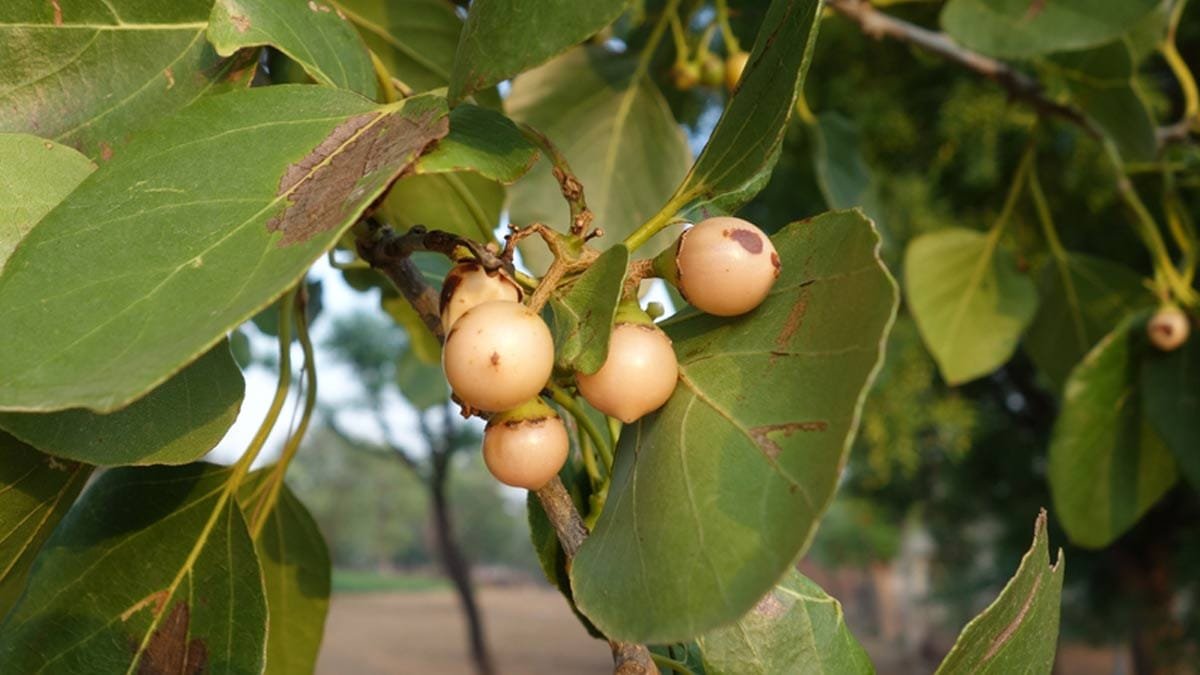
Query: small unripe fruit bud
x,y
498,355
468,284
734,65
685,75
723,266
1169,328
527,446
638,376
712,70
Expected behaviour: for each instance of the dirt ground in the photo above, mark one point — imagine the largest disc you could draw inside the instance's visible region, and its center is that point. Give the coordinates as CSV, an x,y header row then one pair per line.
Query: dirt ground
x,y
530,629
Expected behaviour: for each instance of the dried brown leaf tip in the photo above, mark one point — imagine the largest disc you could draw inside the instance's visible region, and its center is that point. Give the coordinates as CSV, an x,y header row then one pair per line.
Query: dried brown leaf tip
x,y
352,164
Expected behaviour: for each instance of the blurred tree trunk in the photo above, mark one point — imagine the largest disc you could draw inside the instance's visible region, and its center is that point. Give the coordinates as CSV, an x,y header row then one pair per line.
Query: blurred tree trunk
x,y
455,564
1144,566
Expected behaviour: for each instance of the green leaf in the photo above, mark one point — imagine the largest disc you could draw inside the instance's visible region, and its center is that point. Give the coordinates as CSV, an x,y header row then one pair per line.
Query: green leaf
x,y
619,137
296,576
152,569
969,299
795,628
1101,83
1170,389
35,493
1081,299
745,145
715,495
483,141
583,314
1107,466
88,74
503,38
1018,632
461,203
35,175
195,244
267,320
415,39
311,33
1023,29
178,422
842,173
422,383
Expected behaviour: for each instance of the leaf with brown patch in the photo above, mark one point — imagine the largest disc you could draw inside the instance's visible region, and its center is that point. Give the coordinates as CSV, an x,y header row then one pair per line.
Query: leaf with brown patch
x,y
717,492
1018,632
95,327
170,651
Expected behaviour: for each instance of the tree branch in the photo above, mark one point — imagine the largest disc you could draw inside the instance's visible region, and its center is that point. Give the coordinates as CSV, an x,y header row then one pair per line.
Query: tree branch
x,y
628,658
1020,86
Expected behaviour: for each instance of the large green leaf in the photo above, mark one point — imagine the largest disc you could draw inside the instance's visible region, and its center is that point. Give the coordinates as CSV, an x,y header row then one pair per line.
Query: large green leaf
x,y
35,175
618,135
1170,389
503,38
296,576
842,173
152,571
161,252
1101,83
35,493
178,422
1081,299
88,74
715,495
745,145
1021,28
312,33
584,312
1018,632
795,628
1107,466
970,301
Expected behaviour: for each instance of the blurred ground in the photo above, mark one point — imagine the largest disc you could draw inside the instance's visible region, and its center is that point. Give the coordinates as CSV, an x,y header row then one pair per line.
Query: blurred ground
x,y
530,629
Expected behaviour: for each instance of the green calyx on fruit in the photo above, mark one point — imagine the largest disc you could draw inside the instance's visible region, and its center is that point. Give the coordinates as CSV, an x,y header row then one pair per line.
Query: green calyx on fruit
x,y
498,355
734,65
685,75
640,372
1169,328
723,266
712,70
469,284
526,447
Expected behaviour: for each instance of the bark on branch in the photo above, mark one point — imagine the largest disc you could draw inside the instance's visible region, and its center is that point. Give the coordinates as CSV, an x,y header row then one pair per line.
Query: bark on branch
x,y
1019,85
628,658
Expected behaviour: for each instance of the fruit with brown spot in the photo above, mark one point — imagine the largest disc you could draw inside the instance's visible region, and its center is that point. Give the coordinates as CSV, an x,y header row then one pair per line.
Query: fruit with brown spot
x,y
724,266
498,355
525,447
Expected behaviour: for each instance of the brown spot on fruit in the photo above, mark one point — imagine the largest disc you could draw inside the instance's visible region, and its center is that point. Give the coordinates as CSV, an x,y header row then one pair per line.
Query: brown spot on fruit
x,y
748,240
325,187
776,263
170,651
495,359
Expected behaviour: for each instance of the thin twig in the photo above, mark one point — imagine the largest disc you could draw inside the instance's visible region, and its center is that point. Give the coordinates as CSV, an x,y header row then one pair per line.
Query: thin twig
x,y
568,182
1020,86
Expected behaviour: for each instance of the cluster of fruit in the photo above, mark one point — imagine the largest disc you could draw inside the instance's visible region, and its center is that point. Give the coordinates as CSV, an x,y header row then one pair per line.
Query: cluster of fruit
x,y
710,70
499,353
